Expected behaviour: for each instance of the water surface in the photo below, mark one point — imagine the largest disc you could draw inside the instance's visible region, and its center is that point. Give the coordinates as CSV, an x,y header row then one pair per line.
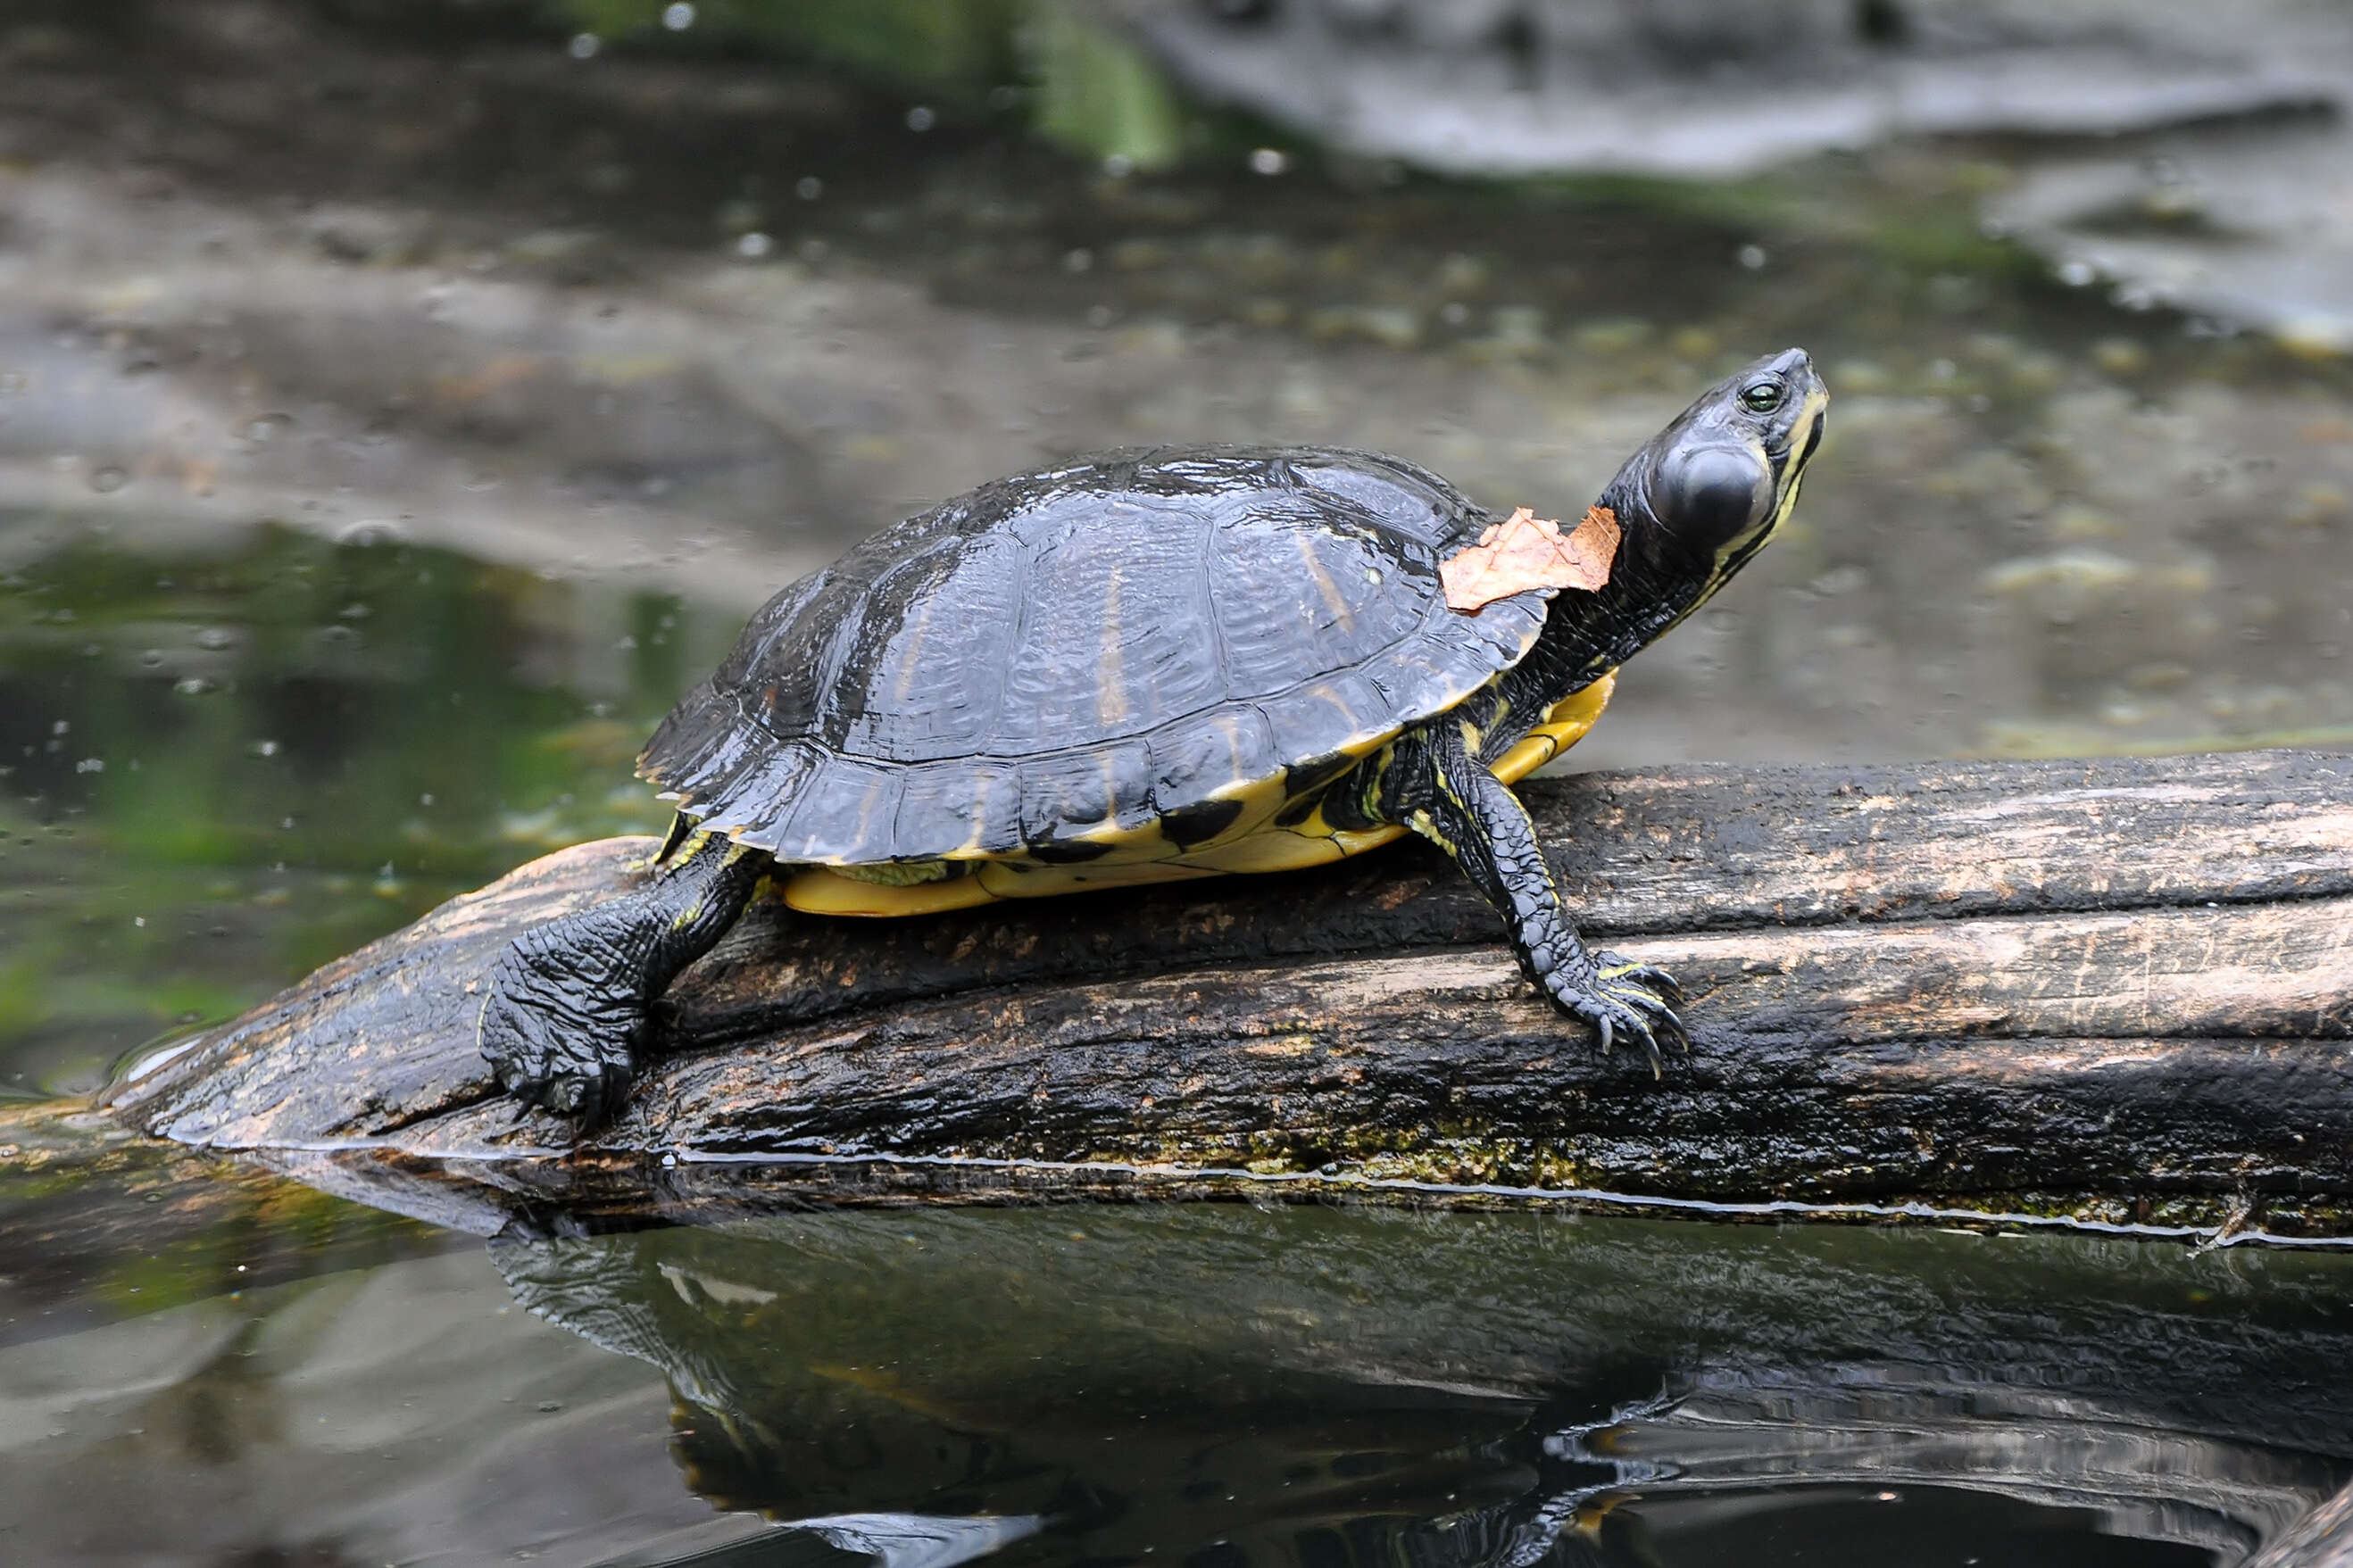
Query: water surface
x,y
1216,1383
396,415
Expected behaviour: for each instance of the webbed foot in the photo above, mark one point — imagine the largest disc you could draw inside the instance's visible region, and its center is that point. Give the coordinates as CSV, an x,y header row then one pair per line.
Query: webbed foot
x,y
566,1012
1621,998
555,1036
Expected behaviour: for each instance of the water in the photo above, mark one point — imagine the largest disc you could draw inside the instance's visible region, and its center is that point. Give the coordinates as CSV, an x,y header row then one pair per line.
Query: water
x,y
228,765
369,489
1213,1384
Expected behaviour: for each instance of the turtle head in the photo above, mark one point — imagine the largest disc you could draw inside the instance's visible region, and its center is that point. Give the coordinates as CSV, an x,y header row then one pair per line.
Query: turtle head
x,y
1700,498
1708,492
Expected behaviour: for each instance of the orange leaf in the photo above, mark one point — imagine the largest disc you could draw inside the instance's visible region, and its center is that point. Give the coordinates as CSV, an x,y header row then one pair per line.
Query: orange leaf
x,y
1525,551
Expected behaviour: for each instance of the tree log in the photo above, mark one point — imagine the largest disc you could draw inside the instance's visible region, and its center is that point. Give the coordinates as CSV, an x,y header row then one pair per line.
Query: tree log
x,y
2114,993
2321,1539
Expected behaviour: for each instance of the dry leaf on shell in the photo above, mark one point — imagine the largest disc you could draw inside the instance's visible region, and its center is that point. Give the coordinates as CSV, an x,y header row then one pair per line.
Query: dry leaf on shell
x,y
1525,551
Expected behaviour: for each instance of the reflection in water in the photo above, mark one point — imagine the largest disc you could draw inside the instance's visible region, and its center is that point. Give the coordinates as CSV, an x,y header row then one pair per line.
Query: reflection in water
x,y
1318,1387
501,298
894,1540
1860,1431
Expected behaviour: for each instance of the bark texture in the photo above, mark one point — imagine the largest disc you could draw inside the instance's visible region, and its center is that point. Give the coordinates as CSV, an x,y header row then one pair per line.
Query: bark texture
x,y
2321,1539
2115,991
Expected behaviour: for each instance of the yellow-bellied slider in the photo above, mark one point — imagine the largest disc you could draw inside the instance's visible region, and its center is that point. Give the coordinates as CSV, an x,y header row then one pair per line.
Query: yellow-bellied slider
x,y
1150,665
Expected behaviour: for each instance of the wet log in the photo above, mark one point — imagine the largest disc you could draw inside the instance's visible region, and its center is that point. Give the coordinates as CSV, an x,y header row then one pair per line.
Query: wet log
x,y
2321,1539
2114,992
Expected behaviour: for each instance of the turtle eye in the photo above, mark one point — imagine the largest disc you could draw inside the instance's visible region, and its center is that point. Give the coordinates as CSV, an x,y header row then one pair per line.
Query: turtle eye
x,y
1762,396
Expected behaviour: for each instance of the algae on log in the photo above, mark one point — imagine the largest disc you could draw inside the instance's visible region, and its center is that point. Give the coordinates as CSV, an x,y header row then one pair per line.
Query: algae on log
x,y
2114,991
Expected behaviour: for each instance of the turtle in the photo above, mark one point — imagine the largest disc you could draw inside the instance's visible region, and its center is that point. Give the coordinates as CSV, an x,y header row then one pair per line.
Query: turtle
x,y
1148,665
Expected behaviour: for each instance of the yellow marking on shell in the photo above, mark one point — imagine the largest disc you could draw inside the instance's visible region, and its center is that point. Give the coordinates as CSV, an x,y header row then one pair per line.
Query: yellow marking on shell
x,y
899,873
1259,799
1275,849
1334,599
866,805
822,891
1251,846
1111,697
917,626
1147,844
970,849
1028,879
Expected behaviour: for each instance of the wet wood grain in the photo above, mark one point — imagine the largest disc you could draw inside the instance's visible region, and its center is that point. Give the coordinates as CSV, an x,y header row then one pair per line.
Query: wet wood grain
x,y
2114,990
2321,1539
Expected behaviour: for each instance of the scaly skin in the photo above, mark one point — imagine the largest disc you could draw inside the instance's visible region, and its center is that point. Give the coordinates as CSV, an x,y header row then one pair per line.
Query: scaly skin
x,y
568,1006
1435,781
567,1009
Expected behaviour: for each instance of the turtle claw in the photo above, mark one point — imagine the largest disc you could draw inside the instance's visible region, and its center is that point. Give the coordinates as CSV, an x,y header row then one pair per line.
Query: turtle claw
x,y
585,1089
1623,998
588,1100
571,1002
560,1097
1648,975
556,1044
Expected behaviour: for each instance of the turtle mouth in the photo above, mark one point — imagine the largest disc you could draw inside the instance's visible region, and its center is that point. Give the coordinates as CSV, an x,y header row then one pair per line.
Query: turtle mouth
x,y
1790,471
1778,452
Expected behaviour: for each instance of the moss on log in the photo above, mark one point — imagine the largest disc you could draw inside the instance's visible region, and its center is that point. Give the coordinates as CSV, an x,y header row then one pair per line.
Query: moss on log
x,y
2114,992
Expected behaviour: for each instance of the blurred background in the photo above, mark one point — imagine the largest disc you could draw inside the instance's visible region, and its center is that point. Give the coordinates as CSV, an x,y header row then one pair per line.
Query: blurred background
x,y
402,401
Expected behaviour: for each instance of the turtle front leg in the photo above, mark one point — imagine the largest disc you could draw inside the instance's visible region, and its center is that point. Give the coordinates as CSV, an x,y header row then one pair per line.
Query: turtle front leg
x,y
567,1009
1436,784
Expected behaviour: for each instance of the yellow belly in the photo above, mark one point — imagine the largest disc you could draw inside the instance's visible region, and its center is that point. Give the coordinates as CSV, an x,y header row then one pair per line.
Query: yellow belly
x,y
1258,847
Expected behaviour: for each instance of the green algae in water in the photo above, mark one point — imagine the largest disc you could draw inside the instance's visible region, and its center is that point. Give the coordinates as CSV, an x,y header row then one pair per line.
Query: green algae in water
x,y
221,768
276,1376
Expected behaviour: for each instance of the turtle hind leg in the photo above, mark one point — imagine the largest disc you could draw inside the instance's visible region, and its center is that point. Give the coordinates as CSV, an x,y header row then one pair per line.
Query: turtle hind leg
x,y
567,1009
1436,784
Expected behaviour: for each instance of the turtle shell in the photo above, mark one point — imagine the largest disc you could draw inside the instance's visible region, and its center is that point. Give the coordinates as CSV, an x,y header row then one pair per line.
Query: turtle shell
x,y
1126,646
